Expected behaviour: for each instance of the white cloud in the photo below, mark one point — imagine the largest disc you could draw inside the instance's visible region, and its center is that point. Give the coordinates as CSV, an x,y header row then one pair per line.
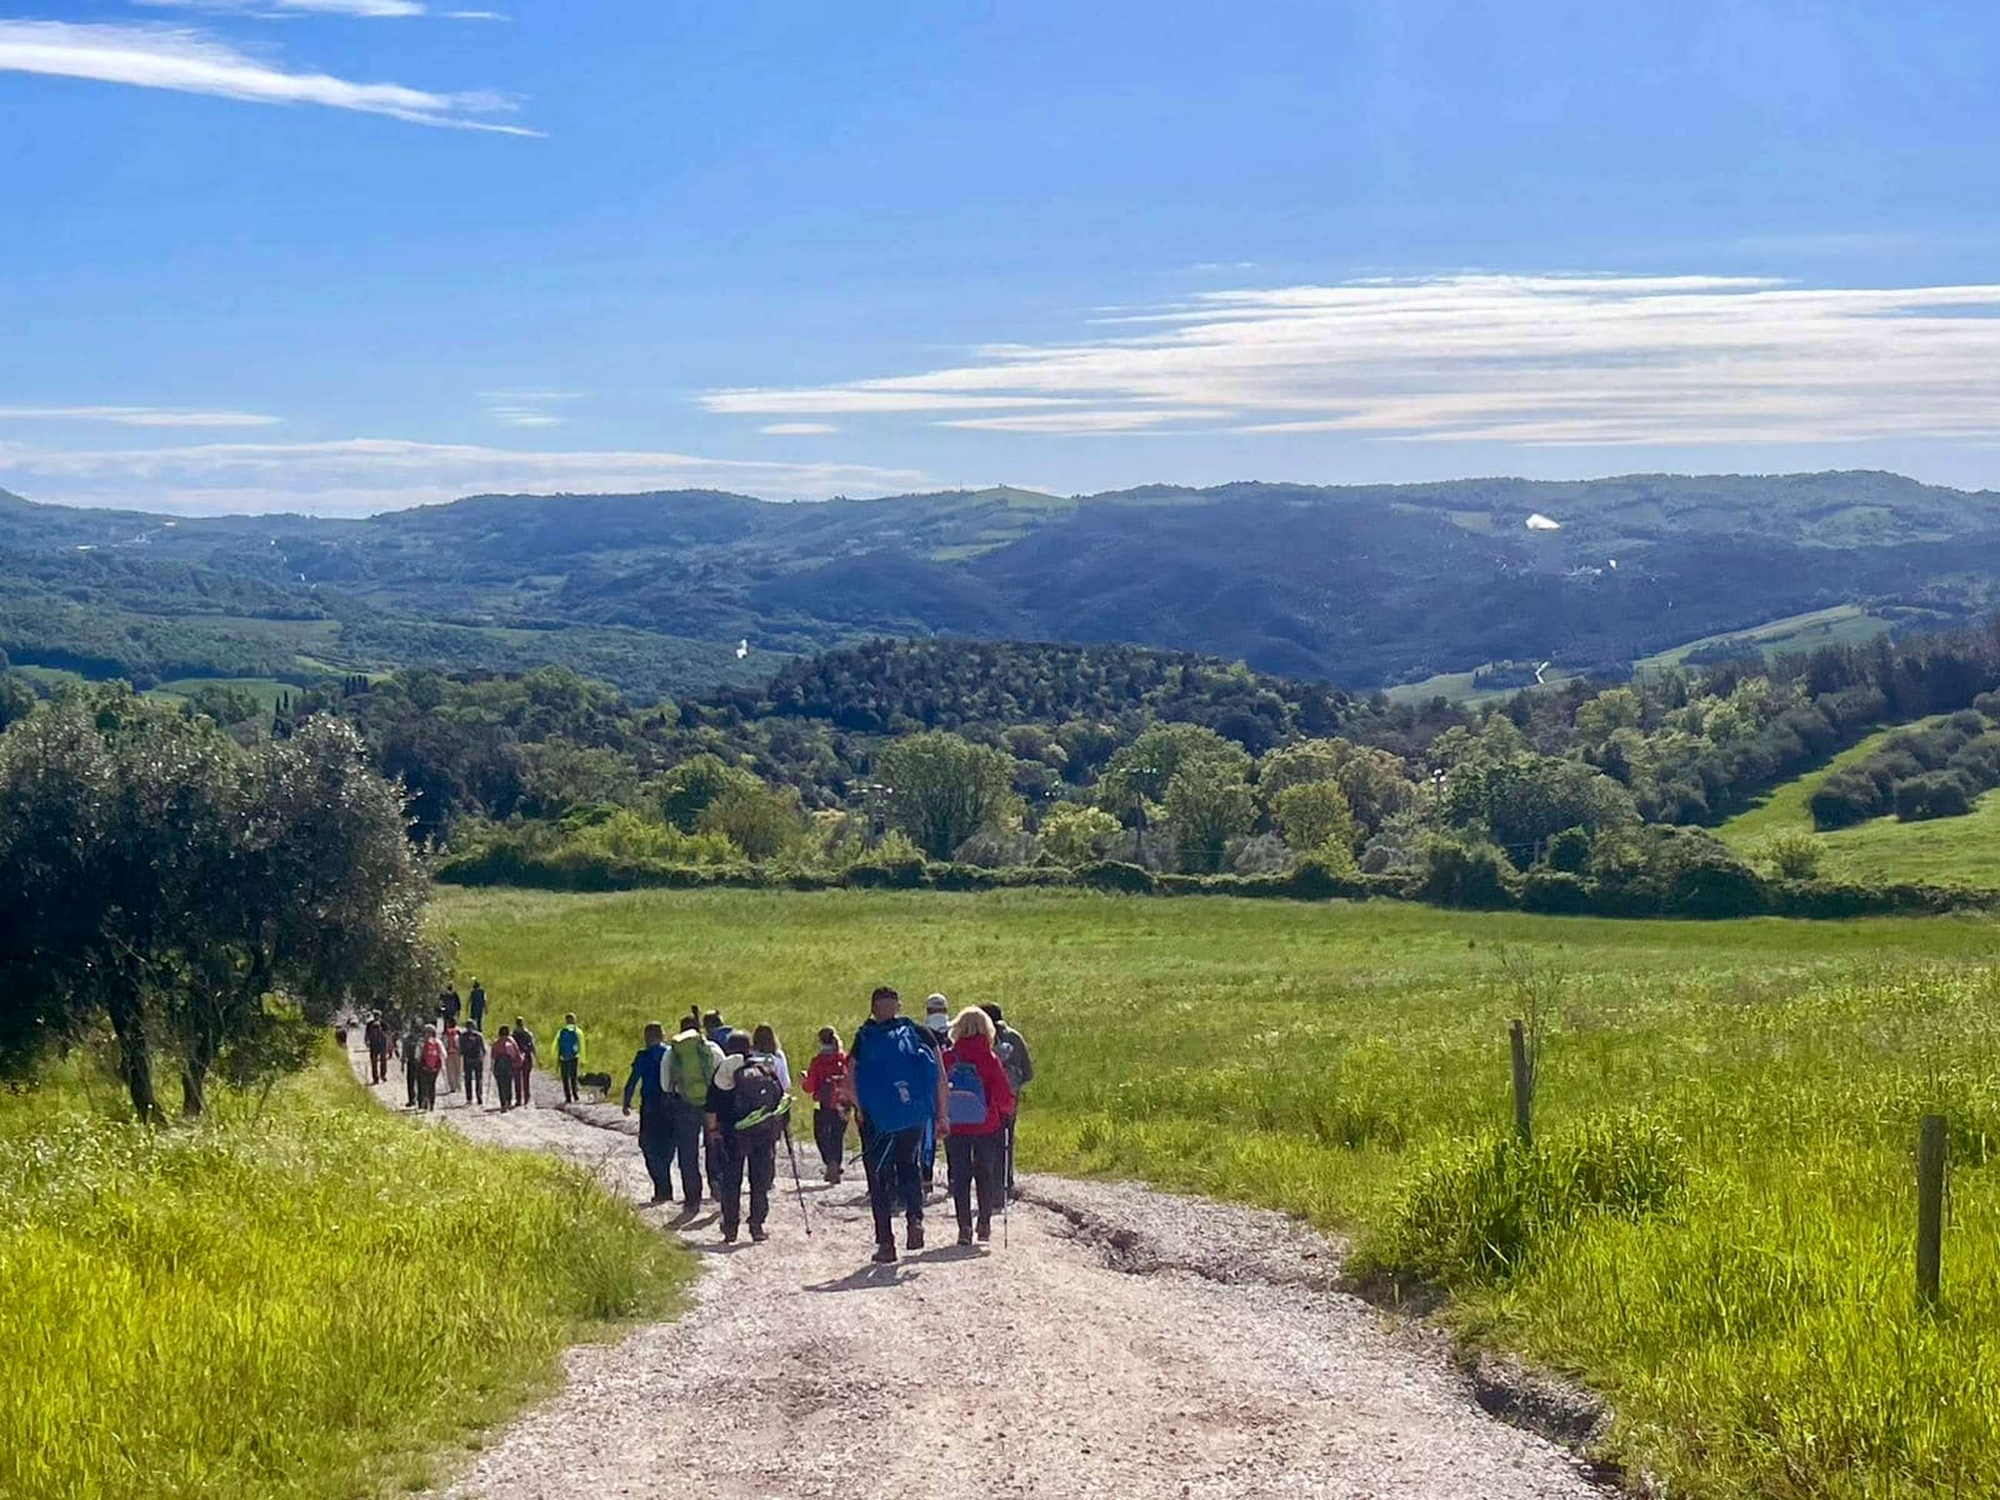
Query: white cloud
x,y
159,57
798,429
1538,360
525,408
360,476
368,9
136,416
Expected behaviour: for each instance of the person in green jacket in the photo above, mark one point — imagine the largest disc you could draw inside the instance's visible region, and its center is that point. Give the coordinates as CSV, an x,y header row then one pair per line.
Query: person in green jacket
x,y
569,1056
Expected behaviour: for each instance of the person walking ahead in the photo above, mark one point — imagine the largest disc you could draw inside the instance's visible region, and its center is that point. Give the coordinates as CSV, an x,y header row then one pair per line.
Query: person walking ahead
x,y
524,1042
978,1102
569,1056
1012,1050
506,1060
377,1037
692,1060
826,1079
746,1117
472,1064
656,1124
430,1063
897,1088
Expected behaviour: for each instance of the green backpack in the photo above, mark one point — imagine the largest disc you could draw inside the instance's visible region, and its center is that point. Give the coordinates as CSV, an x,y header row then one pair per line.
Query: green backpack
x,y
689,1067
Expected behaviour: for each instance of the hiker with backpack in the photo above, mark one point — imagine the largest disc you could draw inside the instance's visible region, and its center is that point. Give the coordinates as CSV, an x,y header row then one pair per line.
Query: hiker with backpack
x,y
472,1064
978,1100
454,1063
656,1114
475,1004
937,1031
376,1035
448,1005
524,1042
1012,1050
410,1047
690,1065
764,1042
430,1063
896,1085
506,1059
826,1080
569,1056
746,1118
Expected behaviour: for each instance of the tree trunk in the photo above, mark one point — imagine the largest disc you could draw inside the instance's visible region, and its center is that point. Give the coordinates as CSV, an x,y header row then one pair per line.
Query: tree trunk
x,y
136,1060
194,1079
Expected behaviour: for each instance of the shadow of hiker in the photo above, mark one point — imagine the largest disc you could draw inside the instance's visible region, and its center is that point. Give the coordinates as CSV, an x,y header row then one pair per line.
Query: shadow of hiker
x,y
868,1278
956,1252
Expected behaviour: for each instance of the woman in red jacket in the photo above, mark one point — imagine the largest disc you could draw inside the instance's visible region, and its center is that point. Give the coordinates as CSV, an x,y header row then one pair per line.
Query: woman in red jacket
x,y
824,1077
978,1101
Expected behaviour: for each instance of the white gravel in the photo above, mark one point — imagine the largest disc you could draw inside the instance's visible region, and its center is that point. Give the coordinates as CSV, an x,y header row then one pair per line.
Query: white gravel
x,y
1225,1367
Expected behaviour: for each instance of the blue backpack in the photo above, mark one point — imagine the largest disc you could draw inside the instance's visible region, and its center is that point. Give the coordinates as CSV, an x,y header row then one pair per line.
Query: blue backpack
x,y
895,1076
965,1095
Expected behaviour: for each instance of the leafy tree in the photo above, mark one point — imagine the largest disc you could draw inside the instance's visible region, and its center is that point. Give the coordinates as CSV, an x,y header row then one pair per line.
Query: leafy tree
x,y
942,789
760,821
1073,834
1313,814
1143,771
1207,805
1295,765
557,774
1521,800
687,790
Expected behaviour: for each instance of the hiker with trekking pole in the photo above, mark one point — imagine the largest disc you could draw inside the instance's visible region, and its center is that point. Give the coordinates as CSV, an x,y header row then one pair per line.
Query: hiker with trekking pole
x,y
1012,1050
978,1100
747,1111
896,1084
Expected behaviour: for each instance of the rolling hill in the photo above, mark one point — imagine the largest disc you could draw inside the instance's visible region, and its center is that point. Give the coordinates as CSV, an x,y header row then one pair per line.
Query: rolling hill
x,y
1367,586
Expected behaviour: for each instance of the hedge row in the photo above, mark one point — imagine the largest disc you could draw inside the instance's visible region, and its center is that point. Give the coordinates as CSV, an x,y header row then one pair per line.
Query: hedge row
x,y
1547,892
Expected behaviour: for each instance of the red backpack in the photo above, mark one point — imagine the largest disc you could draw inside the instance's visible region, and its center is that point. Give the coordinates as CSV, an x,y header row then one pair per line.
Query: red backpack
x,y
433,1055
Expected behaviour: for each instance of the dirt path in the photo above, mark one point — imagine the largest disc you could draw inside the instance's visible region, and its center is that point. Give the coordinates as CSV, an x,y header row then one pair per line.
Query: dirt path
x,y
1219,1364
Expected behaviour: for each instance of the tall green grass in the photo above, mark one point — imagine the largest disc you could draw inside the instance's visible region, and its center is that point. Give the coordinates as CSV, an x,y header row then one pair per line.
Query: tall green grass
x,y
1716,1227
300,1306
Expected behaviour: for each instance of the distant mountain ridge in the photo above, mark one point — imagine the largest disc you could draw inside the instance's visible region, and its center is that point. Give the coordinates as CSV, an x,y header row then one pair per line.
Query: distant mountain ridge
x,y
1364,586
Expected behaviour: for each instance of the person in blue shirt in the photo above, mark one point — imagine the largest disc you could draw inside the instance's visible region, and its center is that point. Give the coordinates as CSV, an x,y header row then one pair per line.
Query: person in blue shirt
x,y
656,1117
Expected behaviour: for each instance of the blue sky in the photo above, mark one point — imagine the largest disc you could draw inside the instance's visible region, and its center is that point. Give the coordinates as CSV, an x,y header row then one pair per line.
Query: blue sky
x,y
346,255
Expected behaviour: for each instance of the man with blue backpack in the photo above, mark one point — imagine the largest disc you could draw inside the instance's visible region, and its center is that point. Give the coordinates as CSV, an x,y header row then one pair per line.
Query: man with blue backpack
x,y
897,1086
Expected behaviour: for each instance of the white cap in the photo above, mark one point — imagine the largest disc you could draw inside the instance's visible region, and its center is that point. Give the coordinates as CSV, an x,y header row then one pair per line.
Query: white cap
x,y
936,1002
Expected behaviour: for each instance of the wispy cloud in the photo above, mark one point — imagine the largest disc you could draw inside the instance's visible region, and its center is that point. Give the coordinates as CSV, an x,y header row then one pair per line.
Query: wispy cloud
x,y
798,429
136,416
368,9
527,408
1551,360
164,57
361,476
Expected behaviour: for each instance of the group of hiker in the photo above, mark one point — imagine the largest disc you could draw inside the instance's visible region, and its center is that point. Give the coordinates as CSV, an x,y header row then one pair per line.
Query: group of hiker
x,y
715,1101
437,1048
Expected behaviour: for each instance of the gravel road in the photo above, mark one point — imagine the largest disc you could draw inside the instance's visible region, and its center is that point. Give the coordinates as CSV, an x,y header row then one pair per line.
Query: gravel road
x,y
1123,1343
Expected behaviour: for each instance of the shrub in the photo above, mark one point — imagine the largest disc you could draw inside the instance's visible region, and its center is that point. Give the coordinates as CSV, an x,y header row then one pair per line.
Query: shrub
x,y
1793,855
1466,872
1075,835
1115,875
1555,893
1481,1210
1941,794
1568,851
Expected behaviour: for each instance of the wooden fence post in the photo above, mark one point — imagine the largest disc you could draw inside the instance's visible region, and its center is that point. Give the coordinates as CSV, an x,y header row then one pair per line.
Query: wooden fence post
x,y
1931,1139
1524,1125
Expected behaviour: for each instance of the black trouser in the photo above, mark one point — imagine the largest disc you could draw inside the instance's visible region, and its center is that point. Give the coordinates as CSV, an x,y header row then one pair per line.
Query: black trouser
x,y
427,1089
571,1093
378,1067
735,1155
830,1135
687,1128
974,1161
503,1080
656,1144
894,1177
522,1072
475,1079
410,1081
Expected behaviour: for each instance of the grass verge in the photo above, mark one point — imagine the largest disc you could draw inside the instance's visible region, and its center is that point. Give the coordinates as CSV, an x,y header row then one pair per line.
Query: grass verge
x,y
303,1306
1716,1231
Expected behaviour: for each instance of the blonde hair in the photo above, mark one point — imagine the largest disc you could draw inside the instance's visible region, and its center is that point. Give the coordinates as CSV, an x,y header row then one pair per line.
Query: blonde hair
x,y
972,1021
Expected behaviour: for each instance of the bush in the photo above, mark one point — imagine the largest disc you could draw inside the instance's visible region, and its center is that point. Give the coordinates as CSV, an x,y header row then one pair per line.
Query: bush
x,y
1941,794
1114,875
1481,1210
1466,872
1568,851
1792,855
1556,893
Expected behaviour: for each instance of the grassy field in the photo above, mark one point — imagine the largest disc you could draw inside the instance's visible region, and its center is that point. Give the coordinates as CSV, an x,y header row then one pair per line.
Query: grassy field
x,y
1941,851
1841,625
1717,1231
299,1307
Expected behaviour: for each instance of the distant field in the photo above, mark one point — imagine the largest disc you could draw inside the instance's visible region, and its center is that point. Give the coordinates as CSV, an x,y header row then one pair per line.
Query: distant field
x,y
266,690
1942,851
1741,1098
1842,625
1457,687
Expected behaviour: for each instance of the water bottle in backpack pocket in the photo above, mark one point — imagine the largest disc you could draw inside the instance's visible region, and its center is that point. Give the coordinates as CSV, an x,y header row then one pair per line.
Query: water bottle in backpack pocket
x,y
965,1097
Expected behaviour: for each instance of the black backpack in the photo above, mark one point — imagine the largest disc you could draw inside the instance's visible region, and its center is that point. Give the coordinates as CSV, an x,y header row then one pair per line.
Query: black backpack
x,y
761,1104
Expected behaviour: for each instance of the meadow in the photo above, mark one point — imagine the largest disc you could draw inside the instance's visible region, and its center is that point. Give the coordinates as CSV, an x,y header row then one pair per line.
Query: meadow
x,y
1714,1228
1961,851
312,1302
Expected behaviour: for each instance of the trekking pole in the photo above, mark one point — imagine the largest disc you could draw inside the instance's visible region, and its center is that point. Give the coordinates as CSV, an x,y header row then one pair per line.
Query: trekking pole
x,y
798,1186
1007,1190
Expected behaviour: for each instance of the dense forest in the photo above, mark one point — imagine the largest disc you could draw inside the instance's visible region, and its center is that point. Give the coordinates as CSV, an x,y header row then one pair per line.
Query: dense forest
x,y
1147,767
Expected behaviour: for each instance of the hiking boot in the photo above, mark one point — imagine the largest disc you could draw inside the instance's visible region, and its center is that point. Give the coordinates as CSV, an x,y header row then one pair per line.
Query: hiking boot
x,y
729,1234
985,1229
914,1240
885,1253
759,1234
835,1174
965,1234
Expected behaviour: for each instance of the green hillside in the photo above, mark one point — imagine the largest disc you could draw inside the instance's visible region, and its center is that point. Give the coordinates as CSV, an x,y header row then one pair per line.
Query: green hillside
x,y
1941,851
